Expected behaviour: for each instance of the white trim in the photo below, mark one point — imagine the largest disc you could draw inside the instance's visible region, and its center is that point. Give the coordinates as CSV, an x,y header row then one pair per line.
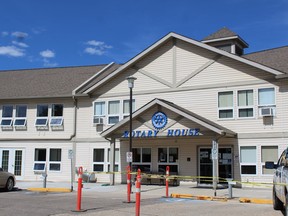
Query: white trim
x,y
188,40
91,78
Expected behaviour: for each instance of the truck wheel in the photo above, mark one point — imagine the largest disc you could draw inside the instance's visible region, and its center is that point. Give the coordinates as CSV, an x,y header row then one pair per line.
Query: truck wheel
x,y
277,204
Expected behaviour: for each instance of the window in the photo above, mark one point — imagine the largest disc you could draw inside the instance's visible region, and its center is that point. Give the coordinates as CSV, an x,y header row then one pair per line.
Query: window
x,y
266,97
39,160
168,157
225,105
55,160
248,160
21,114
245,104
7,114
42,115
117,159
98,160
113,112
141,159
56,115
126,107
268,153
99,112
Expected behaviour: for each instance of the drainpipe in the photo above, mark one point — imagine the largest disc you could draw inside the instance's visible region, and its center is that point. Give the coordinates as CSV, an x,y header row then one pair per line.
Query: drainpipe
x,y
72,138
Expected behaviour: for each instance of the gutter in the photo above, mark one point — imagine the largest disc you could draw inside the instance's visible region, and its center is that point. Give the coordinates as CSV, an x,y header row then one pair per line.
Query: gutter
x,y
282,76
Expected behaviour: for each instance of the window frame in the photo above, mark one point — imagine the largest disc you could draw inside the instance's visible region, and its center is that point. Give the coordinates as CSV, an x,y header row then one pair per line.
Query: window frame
x,y
117,163
54,119
247,106
263,162
113,115
41,117
9,118
249,163
133,107
141,163
55,162
167,162
103,115
103,163
225,108
22,118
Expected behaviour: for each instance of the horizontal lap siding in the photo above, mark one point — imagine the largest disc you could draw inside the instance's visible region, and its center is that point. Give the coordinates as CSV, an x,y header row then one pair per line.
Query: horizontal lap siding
x,y
31,131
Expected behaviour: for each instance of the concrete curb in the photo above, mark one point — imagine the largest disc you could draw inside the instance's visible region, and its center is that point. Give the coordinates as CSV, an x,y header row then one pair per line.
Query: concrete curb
x,y
255,200
189,196
59,190
222,199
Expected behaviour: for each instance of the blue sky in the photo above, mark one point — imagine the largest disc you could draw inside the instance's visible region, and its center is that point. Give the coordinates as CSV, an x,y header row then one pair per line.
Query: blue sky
x,y
60,33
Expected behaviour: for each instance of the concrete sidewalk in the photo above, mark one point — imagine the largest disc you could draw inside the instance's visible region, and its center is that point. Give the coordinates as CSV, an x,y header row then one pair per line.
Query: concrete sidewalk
x,y
154,190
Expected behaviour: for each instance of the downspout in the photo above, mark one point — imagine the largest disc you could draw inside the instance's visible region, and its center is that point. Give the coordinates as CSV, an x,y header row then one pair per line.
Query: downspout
x,y
72,139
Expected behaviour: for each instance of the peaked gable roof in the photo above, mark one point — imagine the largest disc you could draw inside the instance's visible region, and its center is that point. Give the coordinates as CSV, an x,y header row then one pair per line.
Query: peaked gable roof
x,y
218,129
41,83
188,40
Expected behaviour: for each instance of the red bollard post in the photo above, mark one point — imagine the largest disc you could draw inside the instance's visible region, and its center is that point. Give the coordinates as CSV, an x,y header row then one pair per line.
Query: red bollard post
x,y
167,180
79,191
128,184
138,192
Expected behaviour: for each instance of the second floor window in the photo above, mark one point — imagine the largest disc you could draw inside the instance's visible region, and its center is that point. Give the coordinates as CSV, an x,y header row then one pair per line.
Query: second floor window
x,y
21,115
126,107
245,104
225,105
113,112
42,115
7,116
99,112
266,97
56,115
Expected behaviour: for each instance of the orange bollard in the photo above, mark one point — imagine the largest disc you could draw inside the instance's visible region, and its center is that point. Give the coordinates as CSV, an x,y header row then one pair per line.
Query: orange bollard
x,y
128,184
138,192
79,191
167,180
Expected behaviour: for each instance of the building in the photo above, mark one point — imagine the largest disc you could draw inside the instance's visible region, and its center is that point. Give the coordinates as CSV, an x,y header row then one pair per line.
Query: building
x,y
188,95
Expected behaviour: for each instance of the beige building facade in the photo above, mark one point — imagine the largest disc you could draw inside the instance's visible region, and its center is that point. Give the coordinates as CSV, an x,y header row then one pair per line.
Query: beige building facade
x,y
187,96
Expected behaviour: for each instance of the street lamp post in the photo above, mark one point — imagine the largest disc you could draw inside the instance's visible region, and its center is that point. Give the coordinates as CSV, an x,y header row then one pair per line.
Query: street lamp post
x,y
130,80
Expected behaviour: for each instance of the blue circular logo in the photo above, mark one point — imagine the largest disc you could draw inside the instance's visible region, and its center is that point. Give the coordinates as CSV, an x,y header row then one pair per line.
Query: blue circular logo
x,y
159,120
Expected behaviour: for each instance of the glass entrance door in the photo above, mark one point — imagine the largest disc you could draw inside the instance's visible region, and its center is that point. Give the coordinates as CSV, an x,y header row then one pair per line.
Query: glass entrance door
x,y
206,164
11,160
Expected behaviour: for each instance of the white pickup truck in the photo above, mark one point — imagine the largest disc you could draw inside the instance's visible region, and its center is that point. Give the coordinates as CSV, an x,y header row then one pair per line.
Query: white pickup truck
x,y
280,182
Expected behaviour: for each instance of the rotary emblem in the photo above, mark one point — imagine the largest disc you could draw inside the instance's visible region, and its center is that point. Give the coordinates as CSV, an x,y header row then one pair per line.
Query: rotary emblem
x,y
159,120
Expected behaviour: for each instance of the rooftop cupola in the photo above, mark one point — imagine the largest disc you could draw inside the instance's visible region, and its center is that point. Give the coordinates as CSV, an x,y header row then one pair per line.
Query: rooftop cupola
x,y
226,40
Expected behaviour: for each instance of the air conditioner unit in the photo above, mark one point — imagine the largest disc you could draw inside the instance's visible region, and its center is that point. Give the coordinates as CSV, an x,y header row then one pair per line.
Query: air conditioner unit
x,y
98,120
266,111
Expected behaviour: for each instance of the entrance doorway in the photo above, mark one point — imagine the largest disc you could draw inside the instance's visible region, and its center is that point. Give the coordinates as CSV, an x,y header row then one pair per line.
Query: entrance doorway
x,y
11,160
206,164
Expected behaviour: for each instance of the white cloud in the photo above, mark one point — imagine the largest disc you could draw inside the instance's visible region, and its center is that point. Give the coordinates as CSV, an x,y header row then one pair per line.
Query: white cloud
x,y
47,54
11,51
93,51
96,47
47,63
20,44
19,35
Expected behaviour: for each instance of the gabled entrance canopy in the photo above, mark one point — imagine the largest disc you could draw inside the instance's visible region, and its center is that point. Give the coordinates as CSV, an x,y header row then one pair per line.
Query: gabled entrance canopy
x,y
177,116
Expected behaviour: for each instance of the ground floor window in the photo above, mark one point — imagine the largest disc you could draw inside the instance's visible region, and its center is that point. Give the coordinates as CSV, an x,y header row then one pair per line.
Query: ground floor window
x,y
268,153
248,160
98,160
101,160
168,157
40,159
141,159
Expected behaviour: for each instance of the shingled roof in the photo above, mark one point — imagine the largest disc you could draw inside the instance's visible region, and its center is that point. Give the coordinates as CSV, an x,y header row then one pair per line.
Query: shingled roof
x,y
275,58
41,83
222,33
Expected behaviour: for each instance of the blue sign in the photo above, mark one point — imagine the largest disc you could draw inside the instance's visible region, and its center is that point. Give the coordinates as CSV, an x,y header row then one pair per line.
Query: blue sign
x,y
159,120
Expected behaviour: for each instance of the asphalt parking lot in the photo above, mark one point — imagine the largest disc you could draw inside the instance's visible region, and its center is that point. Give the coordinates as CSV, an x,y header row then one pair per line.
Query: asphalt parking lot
x,y
108,200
